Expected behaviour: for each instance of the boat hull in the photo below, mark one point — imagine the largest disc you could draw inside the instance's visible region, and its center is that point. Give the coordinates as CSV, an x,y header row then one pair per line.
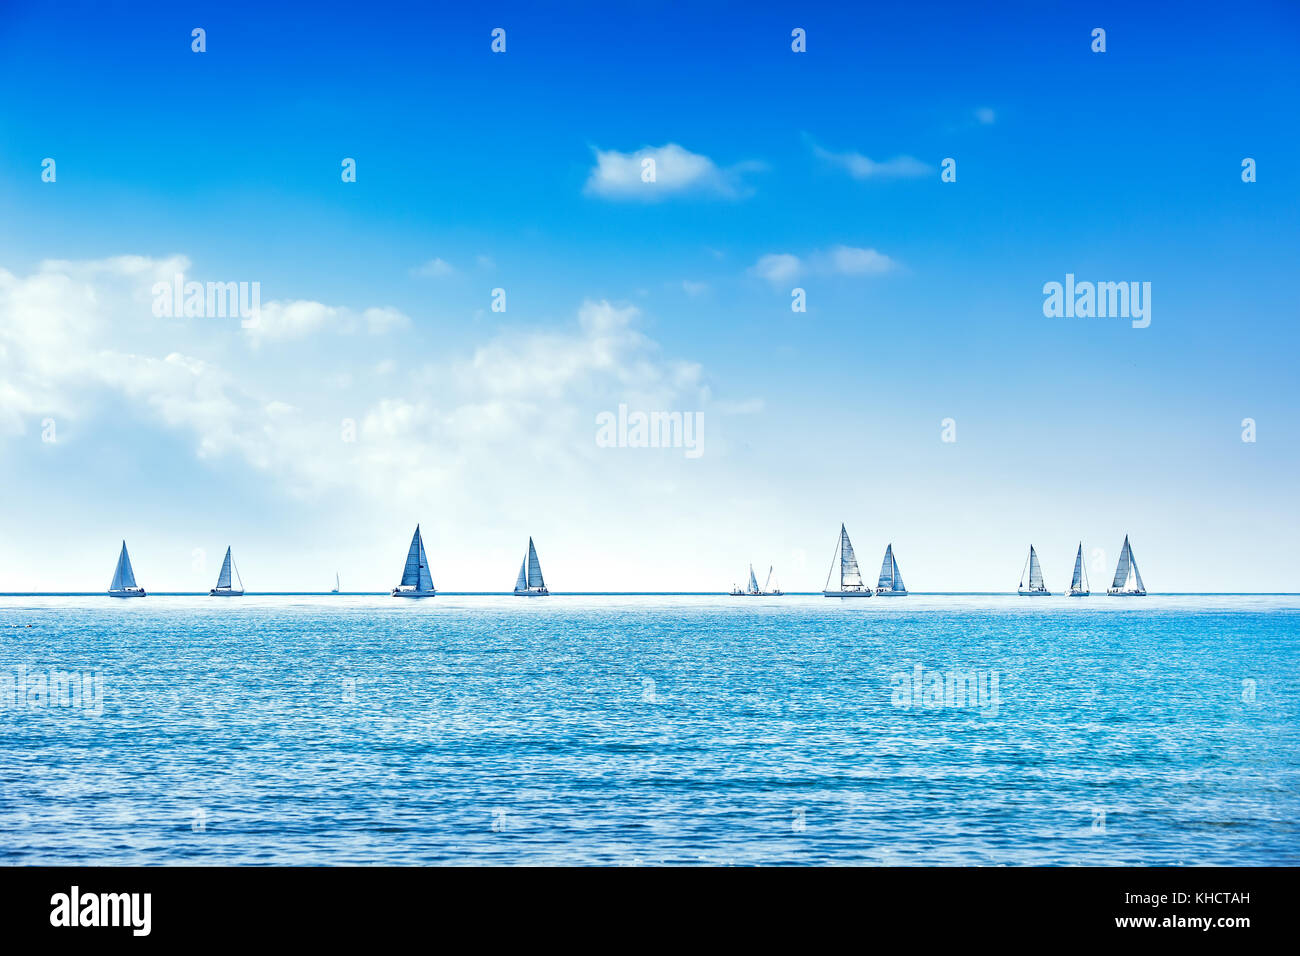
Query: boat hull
x,y
1079,593
540,592
411,593
1126,593
1034,593
127,593
849,594
888,592
225,592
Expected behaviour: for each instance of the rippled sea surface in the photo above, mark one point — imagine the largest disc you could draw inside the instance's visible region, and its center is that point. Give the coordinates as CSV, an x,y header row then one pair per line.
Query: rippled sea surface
x,y
648,730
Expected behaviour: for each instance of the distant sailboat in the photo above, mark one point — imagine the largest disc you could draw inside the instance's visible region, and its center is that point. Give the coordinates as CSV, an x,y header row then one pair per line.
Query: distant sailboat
x,y
891,581
1079,583
753,590
850,577
530,582
1128,581
336,583
124,585
224,587
416,580
1036,587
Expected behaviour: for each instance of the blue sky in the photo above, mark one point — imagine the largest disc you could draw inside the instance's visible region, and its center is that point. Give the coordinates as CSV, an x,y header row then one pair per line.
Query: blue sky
x,y
478,171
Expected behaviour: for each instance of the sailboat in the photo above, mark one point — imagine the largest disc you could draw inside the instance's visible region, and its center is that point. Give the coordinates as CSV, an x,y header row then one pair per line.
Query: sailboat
x,y
1079,583
891,582
336,583
124,585
1036,587
224,587
753,590
416,581
530,582
850,577
1128,580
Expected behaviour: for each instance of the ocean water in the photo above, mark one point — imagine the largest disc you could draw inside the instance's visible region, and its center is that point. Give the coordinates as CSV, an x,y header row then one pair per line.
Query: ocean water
x,y
648,730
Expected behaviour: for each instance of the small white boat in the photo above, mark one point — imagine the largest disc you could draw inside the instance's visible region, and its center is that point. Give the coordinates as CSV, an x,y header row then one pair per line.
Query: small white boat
x,y
770,586
1034,587
1128,580
416,580
124,585
891,582
850,577
224,587
336,583
530,582
1079,583
753,590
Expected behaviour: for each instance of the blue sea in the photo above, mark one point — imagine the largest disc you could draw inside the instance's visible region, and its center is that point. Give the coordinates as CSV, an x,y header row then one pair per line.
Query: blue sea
x,y
647,730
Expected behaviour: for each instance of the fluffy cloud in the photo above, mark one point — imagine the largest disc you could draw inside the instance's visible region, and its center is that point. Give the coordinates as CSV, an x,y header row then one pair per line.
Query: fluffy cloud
x,y
677,172
435,269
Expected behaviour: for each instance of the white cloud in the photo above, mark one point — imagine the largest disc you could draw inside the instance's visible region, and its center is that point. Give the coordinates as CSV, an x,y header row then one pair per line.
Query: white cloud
x,y
863,167
435,269
455,428
694,289
677,172
985,116
779,267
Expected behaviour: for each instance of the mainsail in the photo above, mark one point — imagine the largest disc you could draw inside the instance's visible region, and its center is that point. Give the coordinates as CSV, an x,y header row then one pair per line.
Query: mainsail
x,y
849,574
753,581
767,585
534,568
416,572
887,570
223,580
1079,581
1035,572
123,576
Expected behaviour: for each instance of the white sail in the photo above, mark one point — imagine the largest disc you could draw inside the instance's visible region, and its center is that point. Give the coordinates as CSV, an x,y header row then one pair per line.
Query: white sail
x,y
1122,570
1079,582
887,569
849,574
534,568
753,581
1035,572
898,578
415,573
767,585
521,582
123,576
223,579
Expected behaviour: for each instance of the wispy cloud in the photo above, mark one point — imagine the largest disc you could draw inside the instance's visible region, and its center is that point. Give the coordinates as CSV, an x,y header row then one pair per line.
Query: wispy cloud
x,y
985,116
435,269
864,167
655,173
779,267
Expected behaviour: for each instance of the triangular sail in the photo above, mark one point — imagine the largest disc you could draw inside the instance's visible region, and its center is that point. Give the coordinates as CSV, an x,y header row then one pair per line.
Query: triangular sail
x,y
1076,582
753,581
416,571
1035,572
521,582
1124,568
1137,575
887,570
123,576
767,585
850,576
534,568
223,580
898,578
